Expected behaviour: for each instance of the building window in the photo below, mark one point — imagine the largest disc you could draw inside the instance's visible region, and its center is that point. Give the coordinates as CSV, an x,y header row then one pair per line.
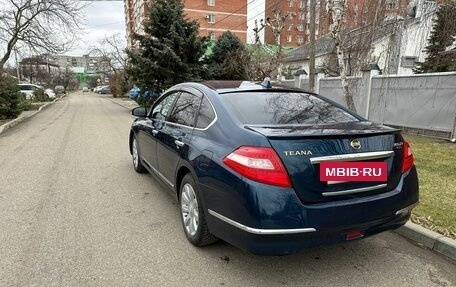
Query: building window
x,y
300,40
290,3
211,2
302,4
408,62
210,18
290,27
300,27
289,38
211,35
302,16
391,4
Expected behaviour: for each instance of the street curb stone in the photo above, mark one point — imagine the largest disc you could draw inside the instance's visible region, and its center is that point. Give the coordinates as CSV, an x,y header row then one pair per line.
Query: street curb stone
x,y
428,238
125,105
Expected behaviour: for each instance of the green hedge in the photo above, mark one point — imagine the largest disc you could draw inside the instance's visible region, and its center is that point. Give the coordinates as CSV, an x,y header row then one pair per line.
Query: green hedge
x,y
10,98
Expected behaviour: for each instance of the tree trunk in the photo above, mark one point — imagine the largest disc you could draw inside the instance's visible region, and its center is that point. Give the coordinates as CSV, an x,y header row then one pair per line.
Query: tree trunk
x,y
336,9
348,97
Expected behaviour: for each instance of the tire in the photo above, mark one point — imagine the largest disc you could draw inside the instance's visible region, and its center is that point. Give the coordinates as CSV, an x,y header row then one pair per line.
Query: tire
x,y
137,164
192,214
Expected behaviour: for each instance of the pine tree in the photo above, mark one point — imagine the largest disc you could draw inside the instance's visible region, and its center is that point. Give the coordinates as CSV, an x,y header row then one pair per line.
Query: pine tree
x,y
229,59
170,49
442,36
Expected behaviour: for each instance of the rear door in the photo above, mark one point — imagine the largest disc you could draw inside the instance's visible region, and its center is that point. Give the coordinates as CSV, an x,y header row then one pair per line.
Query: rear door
x,y
175,136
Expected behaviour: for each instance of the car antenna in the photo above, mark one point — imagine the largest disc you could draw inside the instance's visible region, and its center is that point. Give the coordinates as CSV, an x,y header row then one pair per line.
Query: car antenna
x,y
266,83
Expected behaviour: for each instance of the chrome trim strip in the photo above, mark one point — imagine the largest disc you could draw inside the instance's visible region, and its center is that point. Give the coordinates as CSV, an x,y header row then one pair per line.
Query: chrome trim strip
x,y
406,209
158,173
260,231
357,190
352,156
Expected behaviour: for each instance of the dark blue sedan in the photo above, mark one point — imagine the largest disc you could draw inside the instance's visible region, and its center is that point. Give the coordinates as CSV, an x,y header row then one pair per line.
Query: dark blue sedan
x,y
273,170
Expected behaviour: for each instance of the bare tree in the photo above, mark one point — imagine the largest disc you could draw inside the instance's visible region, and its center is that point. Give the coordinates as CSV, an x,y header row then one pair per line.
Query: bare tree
x,y
337,12
41,25
112,49
266,62
354,34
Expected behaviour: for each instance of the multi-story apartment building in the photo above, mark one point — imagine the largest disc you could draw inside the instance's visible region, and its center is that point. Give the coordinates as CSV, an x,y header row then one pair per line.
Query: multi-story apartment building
x,y
296,16
82,64
214,16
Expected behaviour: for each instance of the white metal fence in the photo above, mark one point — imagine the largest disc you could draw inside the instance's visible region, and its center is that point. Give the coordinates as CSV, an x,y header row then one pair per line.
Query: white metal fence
x,y
421,103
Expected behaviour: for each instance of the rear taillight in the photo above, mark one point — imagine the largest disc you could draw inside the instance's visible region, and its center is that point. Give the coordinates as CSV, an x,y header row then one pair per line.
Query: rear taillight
x,y
407,161
259,164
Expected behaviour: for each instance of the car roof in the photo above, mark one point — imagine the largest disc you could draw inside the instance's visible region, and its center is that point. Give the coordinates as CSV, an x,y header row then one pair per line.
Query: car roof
x,y
238,86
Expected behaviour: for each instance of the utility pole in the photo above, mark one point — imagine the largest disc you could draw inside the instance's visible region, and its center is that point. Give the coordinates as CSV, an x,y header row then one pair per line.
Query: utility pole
x,y
312,11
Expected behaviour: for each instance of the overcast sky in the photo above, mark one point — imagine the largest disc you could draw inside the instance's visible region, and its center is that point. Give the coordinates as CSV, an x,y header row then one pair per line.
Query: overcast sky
x,y
103,18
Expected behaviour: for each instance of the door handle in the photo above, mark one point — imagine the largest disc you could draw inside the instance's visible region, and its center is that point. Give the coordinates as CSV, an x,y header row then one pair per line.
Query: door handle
x,y
179,144
154,132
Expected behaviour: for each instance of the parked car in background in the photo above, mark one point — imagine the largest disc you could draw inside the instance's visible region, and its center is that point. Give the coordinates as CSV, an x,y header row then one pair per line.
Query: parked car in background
x,y
29,90
104,90
97,89
49,93
85,90
135,92
273,170
59,90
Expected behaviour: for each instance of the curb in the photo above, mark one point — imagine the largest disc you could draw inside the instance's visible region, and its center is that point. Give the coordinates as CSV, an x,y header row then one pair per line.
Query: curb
x,y
8,125
428,238
123,105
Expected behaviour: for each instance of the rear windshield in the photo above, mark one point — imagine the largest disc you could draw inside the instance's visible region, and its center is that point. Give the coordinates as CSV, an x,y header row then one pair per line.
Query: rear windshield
x,y
284,108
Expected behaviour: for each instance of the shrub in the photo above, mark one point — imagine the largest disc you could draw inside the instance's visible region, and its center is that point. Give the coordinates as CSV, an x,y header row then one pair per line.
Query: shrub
x,y
40,96
10,98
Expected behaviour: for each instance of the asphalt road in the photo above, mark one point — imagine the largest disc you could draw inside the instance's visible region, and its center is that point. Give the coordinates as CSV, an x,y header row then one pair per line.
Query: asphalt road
x,y
74,213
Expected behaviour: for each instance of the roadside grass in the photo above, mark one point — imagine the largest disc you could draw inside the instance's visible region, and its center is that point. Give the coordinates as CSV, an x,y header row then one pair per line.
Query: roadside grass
x,y
435,160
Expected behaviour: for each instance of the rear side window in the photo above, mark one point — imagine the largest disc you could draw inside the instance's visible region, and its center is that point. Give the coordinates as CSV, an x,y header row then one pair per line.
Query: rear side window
x,y
185,110
206,114
284,108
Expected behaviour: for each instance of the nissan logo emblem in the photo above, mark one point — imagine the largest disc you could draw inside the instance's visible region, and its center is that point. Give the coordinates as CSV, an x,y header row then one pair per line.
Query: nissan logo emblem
x,y
355,144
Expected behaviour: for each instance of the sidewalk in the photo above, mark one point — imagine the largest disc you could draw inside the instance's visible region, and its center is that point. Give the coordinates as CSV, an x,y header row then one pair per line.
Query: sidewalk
x,y
414,232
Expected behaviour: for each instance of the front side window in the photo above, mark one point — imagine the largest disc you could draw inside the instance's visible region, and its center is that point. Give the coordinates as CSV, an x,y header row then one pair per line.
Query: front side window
x,y
284,108
161,110
185,110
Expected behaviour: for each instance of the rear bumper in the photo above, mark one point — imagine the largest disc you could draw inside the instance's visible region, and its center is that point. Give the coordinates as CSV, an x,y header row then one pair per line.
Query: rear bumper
x,y
276,222
286,242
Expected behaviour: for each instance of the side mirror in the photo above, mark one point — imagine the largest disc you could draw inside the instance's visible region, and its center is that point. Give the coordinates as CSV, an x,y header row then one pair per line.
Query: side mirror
x,y
139,112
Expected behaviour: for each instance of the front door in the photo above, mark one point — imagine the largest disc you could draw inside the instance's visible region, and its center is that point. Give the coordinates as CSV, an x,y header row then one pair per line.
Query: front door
x,y
174,141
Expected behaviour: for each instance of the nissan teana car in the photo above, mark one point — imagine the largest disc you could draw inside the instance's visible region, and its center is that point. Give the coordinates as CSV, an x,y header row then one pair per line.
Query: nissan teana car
x,y
273,170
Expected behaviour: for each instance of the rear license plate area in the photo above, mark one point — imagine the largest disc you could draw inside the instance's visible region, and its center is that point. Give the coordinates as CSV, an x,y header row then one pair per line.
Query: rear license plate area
x,y
342,172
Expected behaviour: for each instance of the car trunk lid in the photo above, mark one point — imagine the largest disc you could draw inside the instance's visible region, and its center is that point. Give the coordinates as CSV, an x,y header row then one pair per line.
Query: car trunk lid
x,y
303,148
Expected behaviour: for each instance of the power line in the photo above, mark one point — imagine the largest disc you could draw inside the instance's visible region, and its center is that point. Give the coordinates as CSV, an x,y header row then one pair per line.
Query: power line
x,y
232,13
251,18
